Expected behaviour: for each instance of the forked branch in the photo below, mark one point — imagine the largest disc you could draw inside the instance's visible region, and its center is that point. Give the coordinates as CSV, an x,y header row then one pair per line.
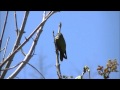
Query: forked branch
x,y
38,32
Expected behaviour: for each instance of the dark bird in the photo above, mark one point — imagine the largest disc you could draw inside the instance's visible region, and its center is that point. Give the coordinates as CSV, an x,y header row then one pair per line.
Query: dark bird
x,y
61,46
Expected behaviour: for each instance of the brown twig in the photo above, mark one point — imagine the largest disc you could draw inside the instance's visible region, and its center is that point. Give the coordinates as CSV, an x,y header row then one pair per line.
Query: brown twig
x,y
36,70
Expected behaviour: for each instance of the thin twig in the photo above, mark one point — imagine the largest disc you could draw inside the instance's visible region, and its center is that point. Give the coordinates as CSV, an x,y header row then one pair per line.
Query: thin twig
x,y
28,56
48,13
11,67
59,28
19,64
15,16
3,29
44,14
6,48
89,75
36,70
23,52
82,75
2,34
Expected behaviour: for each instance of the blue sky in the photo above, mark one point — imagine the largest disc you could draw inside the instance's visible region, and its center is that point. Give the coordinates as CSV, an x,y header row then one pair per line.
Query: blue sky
x,y
92,38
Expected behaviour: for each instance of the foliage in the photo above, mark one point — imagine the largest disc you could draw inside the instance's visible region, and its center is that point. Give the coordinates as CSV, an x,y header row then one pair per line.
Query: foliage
x,y
111,66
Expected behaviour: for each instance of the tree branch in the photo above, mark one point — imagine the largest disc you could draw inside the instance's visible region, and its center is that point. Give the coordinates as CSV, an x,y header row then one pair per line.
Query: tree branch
x,y
28,64
3,29
57,55
11,67
19,47
36,70
15,16
58,65
6,48
28,56
59,28
17,42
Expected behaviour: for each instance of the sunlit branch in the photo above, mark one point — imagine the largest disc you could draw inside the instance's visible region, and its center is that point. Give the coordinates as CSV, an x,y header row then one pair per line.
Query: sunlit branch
x,y
19,36
6,47
29,54
19,47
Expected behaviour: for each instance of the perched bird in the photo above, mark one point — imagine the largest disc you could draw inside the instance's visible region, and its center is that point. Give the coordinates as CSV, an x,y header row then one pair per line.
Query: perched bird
x,y
61,46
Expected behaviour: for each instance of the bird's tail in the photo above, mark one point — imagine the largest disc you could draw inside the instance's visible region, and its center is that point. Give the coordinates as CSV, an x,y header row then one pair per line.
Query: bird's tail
x,y
61,56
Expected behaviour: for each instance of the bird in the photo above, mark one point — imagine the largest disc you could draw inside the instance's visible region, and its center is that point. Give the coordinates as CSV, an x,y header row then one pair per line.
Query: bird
x,y
61,45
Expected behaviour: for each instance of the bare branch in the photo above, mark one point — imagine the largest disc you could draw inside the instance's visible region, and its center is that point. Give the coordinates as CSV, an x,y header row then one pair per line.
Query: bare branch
x,y
44,15
13,53
21,30
17,42
36,70
28,56
23,52
15,16
11,67
28,64
48,13
59,28
6,48
3,29
89,75
57,56
58,65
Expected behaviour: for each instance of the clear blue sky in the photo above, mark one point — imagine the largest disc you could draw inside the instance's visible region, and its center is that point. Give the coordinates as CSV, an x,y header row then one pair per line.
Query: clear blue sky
x,y
92,38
